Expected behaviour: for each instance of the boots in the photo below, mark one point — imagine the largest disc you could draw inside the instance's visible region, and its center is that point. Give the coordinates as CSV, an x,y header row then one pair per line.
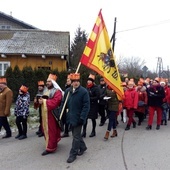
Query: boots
x,y
93,133
127,127
165,122
114,134
83,134
134,124
157,127
149,127
161,122
106,135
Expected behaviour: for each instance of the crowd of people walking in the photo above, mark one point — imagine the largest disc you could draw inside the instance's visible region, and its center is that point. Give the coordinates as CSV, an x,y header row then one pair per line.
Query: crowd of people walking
x,y
77,104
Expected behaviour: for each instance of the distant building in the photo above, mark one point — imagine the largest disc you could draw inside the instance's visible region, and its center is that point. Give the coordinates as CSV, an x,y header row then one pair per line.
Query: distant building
x,y
25,45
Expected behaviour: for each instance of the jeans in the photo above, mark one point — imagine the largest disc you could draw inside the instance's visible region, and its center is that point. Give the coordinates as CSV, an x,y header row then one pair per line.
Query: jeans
x,y
164,114
112,120
4,123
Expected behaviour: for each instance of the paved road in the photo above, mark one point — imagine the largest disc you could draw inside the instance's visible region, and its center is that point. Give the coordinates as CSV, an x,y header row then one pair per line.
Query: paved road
x,y
136,149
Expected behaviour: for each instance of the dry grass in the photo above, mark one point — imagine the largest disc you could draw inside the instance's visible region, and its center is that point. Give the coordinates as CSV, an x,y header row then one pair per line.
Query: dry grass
x,y
33,119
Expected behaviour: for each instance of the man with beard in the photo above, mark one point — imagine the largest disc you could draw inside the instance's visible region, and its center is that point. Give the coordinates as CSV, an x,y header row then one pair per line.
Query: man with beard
x,y
6,96
51,100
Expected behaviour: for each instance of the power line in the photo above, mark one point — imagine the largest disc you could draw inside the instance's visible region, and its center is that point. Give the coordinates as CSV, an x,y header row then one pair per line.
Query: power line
x,y
144,26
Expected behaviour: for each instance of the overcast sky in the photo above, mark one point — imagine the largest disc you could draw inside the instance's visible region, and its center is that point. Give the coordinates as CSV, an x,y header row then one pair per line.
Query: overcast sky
x,y
149,42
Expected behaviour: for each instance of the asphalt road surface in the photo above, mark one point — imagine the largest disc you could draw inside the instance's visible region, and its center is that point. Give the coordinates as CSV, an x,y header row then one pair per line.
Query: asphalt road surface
x,y
136,149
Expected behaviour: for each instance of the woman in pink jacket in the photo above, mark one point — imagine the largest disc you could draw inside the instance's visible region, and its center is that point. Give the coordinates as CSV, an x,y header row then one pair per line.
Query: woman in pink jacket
x,y
130,103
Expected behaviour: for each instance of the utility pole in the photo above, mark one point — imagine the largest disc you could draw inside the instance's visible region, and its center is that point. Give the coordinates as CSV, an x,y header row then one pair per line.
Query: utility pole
x,y
113,36
159,68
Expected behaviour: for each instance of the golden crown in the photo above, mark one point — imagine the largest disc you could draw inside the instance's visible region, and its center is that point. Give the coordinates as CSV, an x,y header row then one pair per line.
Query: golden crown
x,y
74,76
52,76
40,83
3,80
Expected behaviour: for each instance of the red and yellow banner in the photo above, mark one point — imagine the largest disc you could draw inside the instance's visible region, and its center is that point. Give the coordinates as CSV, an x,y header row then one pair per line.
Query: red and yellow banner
x,y
98,56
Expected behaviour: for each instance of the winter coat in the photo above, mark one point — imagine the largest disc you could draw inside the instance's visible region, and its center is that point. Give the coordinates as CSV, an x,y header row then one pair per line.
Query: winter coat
x,y
142,96
94,95
78,105
168,95
22,105
130,99
113,102
6,97
102,90
155,95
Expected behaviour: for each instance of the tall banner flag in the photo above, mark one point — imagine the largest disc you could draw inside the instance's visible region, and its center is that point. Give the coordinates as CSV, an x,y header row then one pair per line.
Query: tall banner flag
x,y
98,56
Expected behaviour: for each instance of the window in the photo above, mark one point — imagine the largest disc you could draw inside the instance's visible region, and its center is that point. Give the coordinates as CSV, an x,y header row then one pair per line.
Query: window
x,y
4,27
45,68
3,67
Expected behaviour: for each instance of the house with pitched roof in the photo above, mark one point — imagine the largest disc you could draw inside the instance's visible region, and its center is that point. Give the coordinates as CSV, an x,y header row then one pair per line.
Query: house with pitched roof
x,y
25,45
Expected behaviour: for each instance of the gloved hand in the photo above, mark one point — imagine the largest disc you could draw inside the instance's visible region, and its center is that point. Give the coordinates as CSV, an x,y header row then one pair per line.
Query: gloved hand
x,y
151,94
24,117
81,122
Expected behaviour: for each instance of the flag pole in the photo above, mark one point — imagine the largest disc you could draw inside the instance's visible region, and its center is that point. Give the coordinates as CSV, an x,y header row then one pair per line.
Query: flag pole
x,y
113,36
62,111
78,67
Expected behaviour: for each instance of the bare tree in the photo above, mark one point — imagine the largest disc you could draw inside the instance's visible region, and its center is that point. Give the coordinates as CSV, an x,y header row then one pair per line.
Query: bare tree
x,y
132,66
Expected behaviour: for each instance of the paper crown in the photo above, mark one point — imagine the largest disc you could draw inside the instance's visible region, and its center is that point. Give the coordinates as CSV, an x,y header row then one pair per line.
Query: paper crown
x,y
157,79
68,76
40,83
3,80
52,77
91,77
75,76
24,88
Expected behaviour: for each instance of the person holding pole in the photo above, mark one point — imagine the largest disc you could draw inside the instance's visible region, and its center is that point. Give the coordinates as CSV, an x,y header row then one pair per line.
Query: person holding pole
x,y
78,104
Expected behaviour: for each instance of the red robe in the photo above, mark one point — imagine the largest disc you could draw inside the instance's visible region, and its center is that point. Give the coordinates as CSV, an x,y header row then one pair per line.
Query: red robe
x,y
50,127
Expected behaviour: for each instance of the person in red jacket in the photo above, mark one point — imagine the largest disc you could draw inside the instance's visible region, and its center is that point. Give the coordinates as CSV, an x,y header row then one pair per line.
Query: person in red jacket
x,y
168,99
130,103
142,102
165,104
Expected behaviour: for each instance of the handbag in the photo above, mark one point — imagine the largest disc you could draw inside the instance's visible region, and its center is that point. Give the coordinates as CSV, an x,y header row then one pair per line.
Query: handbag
x,y
164,106
141,103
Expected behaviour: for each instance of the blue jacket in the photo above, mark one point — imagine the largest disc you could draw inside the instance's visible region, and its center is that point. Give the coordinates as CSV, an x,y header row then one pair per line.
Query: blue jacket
x,y
78,105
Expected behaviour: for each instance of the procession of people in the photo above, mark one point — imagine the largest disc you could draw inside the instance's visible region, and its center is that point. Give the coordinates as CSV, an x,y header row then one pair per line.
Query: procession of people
x,y
142,100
